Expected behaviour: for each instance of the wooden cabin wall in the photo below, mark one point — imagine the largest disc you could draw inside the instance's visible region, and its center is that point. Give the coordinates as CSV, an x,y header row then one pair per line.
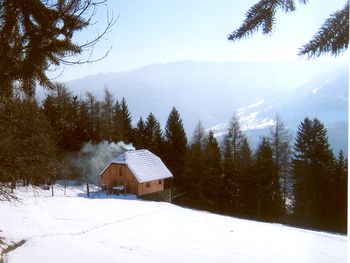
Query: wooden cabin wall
x,y
150,187
119,174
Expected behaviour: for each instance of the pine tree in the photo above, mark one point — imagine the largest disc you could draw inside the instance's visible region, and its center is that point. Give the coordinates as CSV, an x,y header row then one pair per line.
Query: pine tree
x,y
269,202
27,149
245,179
38,35
139,138
62,109
194,168
313,163
175,146
153,136
122,122
339,197
282,155
212,173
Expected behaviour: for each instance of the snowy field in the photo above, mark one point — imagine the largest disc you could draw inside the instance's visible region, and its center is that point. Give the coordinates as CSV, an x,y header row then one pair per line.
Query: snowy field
x,y
74,228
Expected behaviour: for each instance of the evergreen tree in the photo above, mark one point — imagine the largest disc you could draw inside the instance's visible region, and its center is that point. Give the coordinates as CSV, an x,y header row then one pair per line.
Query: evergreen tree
x,y
62,109
175,146
282,155
340,191
123,128
212,183
153,136
313,163
269,202
139,140
194,169
36,35
27,149
246,191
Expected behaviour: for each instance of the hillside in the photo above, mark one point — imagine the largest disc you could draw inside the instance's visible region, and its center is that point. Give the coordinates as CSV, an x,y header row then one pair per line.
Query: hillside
x,y
73,228
212,92
325,97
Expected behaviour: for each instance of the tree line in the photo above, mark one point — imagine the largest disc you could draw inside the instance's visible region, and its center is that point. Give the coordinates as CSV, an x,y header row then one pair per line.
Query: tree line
x,y
302,184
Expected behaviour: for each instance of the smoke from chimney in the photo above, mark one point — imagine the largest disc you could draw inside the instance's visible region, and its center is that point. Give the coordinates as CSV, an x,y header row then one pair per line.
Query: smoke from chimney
x,y
93,158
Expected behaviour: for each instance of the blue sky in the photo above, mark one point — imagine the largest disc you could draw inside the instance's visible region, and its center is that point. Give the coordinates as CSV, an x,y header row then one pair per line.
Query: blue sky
x,y
162,31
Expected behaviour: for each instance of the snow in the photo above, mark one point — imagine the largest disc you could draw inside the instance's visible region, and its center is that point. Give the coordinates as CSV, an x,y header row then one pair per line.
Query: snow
x,y
242,111
260,102
122,228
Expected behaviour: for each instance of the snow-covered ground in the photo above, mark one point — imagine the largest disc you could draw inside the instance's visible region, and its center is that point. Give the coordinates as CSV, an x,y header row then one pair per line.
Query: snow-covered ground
x,y
74,228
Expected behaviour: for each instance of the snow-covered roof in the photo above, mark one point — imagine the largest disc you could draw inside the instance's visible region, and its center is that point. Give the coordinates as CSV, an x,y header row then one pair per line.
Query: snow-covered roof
x,y
143,164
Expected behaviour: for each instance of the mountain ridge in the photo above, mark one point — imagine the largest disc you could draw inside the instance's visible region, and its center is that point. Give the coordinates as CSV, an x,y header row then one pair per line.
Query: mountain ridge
x,y
213,91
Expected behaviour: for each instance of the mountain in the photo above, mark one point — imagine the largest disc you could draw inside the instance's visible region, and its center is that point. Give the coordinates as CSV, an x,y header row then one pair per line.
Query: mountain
x,y
213,91
325,97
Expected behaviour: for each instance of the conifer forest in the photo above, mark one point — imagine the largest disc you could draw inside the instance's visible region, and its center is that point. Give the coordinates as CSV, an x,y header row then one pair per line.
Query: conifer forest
x,y
297,181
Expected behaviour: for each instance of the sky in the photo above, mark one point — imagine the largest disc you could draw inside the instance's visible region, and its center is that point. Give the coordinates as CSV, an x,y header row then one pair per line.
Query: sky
x,y
163,31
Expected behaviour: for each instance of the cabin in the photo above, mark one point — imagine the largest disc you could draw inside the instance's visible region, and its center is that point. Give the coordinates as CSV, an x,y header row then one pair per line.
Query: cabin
x,y
138,172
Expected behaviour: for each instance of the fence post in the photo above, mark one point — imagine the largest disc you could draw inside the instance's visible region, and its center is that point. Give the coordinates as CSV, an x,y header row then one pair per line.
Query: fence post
x,y
13,185
87,189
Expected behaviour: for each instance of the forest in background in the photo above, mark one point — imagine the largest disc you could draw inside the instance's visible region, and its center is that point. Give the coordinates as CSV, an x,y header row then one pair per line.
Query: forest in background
x,y
300,183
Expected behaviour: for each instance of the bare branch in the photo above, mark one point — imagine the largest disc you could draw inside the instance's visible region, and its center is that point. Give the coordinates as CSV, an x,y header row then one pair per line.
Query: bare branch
x,y
6,194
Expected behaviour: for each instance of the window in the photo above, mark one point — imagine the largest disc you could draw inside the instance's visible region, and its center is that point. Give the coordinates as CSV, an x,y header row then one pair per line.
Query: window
x,y
160,181
148,184
120,171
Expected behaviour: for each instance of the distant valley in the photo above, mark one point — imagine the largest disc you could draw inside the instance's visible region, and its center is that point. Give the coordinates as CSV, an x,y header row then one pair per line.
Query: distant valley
x,y
213,91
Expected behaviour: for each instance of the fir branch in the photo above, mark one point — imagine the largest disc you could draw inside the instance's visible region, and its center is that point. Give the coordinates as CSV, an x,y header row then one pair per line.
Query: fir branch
x,y
262,15
333,36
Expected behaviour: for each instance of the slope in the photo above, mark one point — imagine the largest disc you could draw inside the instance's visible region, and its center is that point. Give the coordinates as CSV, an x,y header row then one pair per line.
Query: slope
x,y
73,228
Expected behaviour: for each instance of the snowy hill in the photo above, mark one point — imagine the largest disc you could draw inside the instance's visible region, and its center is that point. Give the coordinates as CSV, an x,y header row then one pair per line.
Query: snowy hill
x,y
325,97
73,228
